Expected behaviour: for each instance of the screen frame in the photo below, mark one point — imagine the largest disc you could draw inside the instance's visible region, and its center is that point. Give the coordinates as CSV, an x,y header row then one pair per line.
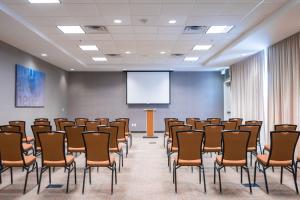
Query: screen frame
x,y
149,103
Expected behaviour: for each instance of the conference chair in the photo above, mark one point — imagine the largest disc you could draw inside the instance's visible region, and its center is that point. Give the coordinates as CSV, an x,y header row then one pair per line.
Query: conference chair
x,y
191,121
92,126
189,153
53,155
172,123
122,138
81,121
199,125
213,138
97,155
41,123
22,126
17,129
254,134
57,123
215,121
12,156
64,124
103,121
41,119
173,146
283,145
234,153
114,147
36,129
229,125
127,132
255,122
239,121
166,135
74,139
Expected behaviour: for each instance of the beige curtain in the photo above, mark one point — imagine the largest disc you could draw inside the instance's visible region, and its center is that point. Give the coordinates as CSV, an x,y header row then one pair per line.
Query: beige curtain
x,y
247,89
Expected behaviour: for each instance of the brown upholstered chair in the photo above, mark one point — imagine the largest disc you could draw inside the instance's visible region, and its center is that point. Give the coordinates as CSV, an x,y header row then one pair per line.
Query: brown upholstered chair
x,y
213,138
189,153
41,123
114,147
191,121
53,155
166,135
17,129
199,125
255,122
41,119
172,123
74,138
97,155
229,125
238,121
81,121
12,156
283,144
36,129
122,138
215,121
92,126
127,132
173,146
234,148
64,124
22,125
57,123
254,134
103,121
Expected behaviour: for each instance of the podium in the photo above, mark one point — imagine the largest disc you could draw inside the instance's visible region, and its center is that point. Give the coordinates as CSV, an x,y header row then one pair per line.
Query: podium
x,y
150,123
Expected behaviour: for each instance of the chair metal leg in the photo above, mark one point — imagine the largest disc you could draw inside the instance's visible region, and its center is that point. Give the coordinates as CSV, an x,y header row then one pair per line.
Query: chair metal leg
x,y
281,173
75,175
120,162
41,175
122,157
220,184
83,184
251,159
214,172
199,174
116,181
90,175
241,175
130,140
112,181
26,178
126,149
11,176
175,173
67,190
249,181
203,171
254,178
37,172
50,175
266,181
295,178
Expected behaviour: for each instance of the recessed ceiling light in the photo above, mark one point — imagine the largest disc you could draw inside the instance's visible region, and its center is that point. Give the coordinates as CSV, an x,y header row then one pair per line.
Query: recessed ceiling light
x,y
127,52
162,52
173,21
117,21
219,29
201,47
89,47
100,59
191,59
70,29
44,54
44,1
72,69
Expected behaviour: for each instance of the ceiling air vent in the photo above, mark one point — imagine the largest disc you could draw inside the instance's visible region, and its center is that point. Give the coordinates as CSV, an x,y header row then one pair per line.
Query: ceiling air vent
x,y
113,54
195,29
177,54
95,29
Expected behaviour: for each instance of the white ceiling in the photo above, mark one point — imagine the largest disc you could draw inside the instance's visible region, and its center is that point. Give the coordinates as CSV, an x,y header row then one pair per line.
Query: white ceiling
x,y
32,28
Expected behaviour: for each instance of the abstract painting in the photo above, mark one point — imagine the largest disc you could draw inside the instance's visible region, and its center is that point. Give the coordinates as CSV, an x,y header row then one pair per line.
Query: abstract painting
x,y
30,87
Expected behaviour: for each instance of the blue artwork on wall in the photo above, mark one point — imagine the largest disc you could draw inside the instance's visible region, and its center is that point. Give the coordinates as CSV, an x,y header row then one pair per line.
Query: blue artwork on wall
x,y
30,87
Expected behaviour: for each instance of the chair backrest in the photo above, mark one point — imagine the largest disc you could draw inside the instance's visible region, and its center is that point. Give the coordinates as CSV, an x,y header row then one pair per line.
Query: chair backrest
x,y
10,128
41,123
254,134
199,125
239,121
190,145
81,121
283,144
63,124
103,121
230,125
126,120
121,128
253,122
36,129
41,119
21,124
53,146
173,123
167,123
92,126
74,136
285,127
96,146
235,145
191,121
11,146
113,132
214,120
174,129
213,135
57,121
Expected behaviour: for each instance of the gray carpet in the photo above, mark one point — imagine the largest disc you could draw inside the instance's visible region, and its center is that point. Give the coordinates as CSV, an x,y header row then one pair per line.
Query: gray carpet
x,y
145,175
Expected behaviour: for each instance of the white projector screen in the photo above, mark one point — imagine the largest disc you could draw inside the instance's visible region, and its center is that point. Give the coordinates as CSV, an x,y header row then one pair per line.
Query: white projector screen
x,y
148,87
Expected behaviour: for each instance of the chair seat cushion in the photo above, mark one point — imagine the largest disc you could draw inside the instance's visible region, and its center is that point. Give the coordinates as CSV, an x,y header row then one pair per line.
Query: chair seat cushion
x,y
104,163
127,133
267,147
117,149
182,162
29,160
27,147
212,149
230,162
76,149
263,159
123,139
60,163
249,149
28,139
172,149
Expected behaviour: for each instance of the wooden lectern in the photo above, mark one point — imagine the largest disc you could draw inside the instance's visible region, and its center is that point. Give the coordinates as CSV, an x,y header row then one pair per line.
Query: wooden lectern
x,y
150,123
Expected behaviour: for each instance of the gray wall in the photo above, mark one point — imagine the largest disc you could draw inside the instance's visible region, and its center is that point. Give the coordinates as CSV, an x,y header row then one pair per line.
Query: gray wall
x,y
56,87
193,94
